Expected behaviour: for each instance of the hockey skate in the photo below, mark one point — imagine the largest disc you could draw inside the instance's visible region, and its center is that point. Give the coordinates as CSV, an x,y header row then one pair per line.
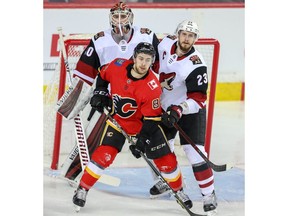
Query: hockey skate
x,y
79,198
210,204
185,199
159,189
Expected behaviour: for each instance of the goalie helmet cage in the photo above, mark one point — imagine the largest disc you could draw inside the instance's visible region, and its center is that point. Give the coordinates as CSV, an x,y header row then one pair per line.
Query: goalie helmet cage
x,y
75,45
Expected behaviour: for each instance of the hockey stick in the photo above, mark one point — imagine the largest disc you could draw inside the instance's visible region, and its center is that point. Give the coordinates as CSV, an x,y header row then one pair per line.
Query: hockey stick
x,y
78,126
217,168
79,129
151,165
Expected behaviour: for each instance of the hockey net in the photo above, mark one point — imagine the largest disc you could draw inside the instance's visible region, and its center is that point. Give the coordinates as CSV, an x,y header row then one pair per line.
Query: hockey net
x,y
59,137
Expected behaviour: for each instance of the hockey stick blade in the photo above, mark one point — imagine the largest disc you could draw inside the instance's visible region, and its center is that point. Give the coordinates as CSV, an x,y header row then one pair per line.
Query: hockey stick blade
x,y
104,179
178,199
215,167
109,180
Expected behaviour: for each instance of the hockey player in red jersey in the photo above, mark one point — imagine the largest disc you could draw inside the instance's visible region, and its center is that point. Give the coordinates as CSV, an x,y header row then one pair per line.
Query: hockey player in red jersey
x,y
118,41
184,80
135,92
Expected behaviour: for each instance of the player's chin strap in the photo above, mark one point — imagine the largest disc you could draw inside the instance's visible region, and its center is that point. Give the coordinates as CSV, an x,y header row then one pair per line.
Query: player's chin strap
x,y
217,168
151,165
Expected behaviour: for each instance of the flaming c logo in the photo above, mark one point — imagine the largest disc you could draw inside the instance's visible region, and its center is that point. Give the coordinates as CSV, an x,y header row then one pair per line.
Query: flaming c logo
x,y
124,107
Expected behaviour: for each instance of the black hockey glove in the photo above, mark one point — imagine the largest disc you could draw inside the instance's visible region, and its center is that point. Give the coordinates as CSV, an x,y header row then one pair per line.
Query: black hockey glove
x,y
139,146
100,99
172,115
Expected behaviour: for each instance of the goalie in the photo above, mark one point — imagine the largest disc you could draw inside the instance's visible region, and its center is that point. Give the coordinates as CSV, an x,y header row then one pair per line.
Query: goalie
x,y
118,41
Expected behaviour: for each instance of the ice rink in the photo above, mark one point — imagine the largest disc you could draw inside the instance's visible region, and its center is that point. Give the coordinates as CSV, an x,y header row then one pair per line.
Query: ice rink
x,y
131,197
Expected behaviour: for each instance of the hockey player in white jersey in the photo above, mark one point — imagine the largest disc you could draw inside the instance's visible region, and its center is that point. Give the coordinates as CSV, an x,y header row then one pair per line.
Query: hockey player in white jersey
x,y
184,80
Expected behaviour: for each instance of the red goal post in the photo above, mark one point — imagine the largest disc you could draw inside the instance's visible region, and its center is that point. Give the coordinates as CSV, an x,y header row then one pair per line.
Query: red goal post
x,y
74,45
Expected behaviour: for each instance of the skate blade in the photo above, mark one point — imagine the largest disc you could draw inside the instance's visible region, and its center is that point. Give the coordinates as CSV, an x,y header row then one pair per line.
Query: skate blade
x,y
212,213
77,208
159,195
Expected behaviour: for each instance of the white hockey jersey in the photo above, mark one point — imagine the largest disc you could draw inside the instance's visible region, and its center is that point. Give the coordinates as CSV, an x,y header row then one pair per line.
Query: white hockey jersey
x,y
108,49
102,49
183,79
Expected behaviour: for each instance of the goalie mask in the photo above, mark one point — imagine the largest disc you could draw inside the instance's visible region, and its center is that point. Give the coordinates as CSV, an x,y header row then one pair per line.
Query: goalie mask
x,y
121,18
188,26
146,48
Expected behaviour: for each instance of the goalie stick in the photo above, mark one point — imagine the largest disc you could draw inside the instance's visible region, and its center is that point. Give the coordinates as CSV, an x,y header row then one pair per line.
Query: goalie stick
x,y
78,126
71,167
179,201
217,168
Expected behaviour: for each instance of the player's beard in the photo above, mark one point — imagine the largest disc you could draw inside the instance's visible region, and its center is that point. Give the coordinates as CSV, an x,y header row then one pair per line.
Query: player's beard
x,y
184,47
140,71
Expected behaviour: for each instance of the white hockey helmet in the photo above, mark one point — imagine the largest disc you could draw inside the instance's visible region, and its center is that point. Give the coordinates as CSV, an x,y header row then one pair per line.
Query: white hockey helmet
x,y
121,14
189,26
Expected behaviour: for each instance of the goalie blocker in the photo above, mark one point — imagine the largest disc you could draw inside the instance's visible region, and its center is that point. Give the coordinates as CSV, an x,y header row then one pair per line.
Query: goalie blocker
x,y
74,100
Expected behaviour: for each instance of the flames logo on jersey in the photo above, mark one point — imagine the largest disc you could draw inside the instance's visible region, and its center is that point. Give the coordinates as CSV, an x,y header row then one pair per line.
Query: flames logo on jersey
x,y
145,31
124,107
166,80
195,59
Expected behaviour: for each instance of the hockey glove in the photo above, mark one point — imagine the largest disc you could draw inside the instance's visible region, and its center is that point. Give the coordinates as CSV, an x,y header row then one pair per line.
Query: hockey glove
x,y
100,99
139,146
172,115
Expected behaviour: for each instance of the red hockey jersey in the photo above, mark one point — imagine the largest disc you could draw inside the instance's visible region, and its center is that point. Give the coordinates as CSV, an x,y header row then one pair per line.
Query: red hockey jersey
x,y
133,99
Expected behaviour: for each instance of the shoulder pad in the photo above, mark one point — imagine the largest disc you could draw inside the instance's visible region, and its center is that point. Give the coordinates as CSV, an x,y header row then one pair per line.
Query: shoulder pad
x,y
98,35
145,31
172,37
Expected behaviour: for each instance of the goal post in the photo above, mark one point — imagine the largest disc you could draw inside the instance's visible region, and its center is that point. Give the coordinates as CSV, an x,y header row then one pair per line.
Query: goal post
x,y
58,141
212,89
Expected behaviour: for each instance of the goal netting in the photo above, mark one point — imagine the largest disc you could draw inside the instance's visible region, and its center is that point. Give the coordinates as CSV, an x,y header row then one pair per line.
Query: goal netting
x,y
59,137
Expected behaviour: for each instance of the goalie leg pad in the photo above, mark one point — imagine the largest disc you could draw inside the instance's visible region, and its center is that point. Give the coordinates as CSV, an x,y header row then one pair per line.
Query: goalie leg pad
x,y
104,155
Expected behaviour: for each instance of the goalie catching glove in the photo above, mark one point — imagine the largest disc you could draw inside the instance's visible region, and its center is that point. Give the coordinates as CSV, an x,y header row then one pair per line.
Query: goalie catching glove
x,y
172,115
